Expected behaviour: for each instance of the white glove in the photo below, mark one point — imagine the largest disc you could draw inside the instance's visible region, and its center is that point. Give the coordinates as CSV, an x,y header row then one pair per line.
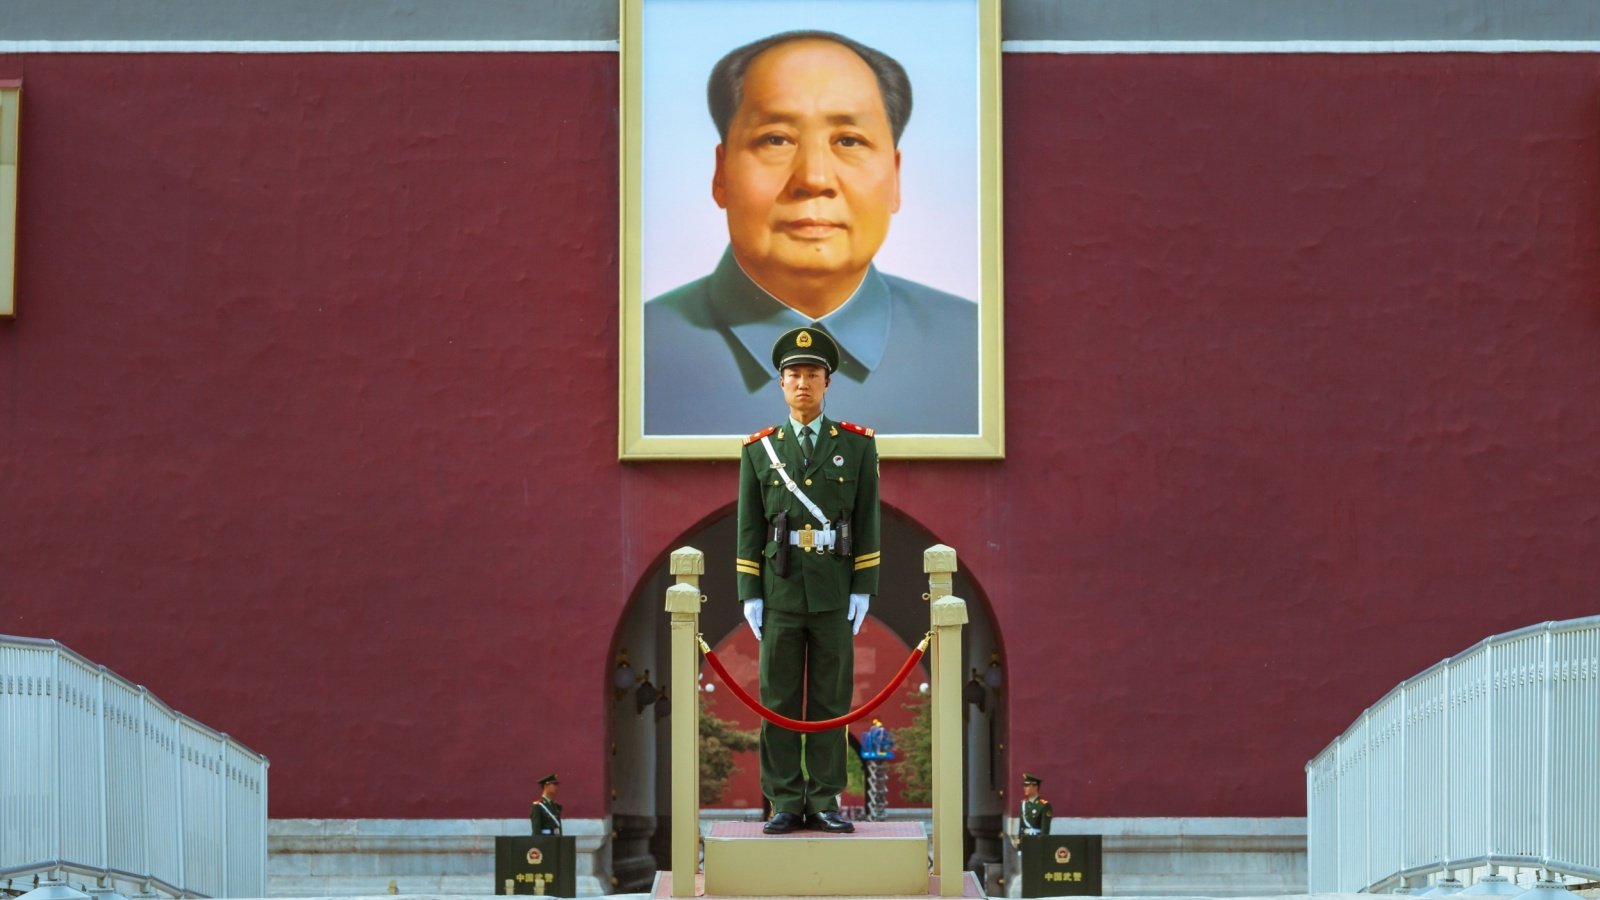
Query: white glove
x,y
752,614
858,610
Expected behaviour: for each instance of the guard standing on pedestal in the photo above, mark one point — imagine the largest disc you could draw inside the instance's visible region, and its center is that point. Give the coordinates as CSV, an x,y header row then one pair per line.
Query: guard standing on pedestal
x,y
1036,811
545,863
546,813
1054,865
807,567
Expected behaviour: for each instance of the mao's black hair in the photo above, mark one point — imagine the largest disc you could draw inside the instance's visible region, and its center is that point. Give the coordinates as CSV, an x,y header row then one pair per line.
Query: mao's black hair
x,y
725,87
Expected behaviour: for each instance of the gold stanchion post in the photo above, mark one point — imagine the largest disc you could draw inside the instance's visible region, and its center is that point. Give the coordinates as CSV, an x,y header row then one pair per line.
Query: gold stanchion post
x,y
948,615
683,605
944,662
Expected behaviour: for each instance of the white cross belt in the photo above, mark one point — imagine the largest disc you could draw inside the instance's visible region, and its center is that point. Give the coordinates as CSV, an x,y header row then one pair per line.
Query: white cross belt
x,y
789,483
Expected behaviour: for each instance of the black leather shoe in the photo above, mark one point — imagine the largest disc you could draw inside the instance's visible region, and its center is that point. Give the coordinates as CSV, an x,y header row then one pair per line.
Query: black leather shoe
x,y
829,821
782,823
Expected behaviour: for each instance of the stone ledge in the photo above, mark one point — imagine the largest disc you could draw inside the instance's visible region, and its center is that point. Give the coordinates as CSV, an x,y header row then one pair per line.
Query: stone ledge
x,y
422,827
314,836
1209,843
355,857
1166,827
453,857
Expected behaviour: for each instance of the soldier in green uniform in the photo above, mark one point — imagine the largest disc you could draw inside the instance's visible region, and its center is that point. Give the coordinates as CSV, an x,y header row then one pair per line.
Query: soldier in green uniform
x,y
807,568
1036,811
545,816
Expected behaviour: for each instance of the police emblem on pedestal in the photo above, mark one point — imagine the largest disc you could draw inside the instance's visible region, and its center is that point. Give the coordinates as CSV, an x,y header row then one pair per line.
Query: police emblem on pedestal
x,y
536,864
1061,865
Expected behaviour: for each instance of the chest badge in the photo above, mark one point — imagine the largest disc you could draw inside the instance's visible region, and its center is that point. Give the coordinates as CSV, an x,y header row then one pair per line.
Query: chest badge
x,y
838,460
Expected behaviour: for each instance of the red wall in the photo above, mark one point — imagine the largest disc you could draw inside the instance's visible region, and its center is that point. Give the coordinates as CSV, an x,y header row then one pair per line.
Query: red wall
x,y
308,423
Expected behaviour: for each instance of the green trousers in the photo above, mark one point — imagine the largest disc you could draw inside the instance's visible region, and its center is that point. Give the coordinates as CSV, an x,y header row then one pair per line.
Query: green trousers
x,y
807,673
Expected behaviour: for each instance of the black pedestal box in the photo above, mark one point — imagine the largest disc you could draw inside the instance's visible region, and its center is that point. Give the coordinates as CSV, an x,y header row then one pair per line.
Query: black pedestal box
x,y
1061,865
528,861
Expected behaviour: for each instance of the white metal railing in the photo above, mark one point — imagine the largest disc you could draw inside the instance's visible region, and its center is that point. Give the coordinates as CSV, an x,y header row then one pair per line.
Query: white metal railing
x,y
101,779
1489,758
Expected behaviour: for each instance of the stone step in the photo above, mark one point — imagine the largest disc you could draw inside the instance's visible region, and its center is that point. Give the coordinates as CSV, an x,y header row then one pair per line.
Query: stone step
x,y
662,890
881,859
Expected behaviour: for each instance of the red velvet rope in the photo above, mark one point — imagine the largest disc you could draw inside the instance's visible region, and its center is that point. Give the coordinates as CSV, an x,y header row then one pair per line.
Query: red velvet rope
x,y
825,724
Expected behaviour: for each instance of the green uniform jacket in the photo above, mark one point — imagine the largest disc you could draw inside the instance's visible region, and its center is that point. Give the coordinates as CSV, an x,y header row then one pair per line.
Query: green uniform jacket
x,y
842,478
545,816
1036,814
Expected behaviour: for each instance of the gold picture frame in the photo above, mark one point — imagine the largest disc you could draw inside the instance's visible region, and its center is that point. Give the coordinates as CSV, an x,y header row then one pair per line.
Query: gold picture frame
x,y
10,108
923,338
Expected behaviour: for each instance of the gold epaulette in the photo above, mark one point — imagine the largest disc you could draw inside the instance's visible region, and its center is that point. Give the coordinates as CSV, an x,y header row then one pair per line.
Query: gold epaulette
x,y
759,435
858,429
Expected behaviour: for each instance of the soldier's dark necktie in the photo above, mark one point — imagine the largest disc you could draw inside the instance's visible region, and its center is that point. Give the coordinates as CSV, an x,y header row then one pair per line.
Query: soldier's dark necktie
x,y
806,445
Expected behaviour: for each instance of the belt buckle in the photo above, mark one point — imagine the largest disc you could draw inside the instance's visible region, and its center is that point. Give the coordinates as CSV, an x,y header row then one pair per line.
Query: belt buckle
x,y
808,539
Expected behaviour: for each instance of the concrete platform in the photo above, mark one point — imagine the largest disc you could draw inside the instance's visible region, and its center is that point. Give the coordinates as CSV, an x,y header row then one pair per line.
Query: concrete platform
x,y
881,859
662,890
455,857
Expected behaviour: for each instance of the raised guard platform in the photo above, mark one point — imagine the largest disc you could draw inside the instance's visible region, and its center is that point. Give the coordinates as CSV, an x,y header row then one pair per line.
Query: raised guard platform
x,y
881,859
662,889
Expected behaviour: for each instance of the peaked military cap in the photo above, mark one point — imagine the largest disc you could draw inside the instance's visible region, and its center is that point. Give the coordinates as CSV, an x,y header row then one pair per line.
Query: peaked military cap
x,y
805,346
1031,779
549,779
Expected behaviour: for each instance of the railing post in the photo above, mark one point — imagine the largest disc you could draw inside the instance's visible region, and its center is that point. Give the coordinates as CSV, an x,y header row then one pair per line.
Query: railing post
x,y
144,786
179,826
1446,768
1366,769
220,777
105,772
57,707
262,820
1338,818
946,615
939,563
1489,704
683,605
1407,782
1545,752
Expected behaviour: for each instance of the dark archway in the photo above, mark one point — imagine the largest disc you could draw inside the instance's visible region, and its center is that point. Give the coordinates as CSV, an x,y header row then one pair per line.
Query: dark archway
x,y
639,762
